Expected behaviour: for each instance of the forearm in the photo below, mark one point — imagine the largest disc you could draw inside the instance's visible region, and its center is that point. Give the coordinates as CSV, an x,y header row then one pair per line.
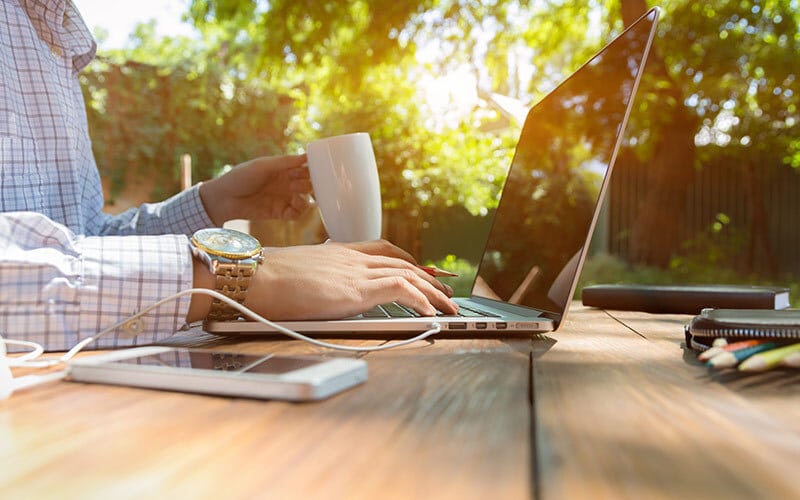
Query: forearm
x,y
183,213
57,288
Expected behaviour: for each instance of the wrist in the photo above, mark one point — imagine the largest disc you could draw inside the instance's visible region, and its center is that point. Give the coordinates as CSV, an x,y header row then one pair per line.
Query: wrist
x,y
200,303
213,201
230,258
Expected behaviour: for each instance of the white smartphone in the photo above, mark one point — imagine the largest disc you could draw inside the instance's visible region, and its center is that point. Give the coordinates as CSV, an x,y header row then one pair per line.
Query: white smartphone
x,y
296,378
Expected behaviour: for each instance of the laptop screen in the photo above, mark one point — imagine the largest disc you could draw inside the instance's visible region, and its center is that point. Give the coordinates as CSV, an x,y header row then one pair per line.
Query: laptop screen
x,y
551,196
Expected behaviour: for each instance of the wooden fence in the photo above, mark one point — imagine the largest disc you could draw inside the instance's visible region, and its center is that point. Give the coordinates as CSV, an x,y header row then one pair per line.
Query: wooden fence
x,y
755,212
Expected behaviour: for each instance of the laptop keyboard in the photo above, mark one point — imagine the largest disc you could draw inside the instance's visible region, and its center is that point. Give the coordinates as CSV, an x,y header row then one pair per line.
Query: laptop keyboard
x,y
391,310
395,310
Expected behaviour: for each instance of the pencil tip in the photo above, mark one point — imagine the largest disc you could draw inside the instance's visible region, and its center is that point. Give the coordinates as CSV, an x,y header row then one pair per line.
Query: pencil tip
x,y
722,360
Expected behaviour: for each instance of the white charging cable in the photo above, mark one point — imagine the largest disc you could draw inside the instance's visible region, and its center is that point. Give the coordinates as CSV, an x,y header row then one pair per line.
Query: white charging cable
x,y
8,384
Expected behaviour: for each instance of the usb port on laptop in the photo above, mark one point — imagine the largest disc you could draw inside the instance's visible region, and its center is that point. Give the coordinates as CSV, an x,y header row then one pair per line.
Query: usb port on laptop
x,y
457,326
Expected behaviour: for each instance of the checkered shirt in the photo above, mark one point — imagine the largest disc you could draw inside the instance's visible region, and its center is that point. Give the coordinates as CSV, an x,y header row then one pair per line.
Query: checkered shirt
x,y
67,270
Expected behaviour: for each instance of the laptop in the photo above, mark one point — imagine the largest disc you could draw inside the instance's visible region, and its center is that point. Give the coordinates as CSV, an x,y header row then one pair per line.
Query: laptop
x,y
546,214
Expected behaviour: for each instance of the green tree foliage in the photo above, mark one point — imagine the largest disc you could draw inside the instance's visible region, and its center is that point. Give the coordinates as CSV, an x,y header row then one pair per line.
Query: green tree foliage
x,y
725,72
163,98
276,36
721,83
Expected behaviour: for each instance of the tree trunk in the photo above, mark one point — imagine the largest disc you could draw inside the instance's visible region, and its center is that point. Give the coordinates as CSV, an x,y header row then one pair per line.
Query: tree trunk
x,y
656,229
758,221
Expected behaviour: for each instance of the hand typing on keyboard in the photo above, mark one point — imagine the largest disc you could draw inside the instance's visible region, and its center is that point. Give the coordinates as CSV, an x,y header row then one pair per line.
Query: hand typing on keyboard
x,y
339,280
394,310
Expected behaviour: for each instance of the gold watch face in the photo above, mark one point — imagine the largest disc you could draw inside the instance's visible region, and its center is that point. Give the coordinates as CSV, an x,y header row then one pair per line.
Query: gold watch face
x,y
226,243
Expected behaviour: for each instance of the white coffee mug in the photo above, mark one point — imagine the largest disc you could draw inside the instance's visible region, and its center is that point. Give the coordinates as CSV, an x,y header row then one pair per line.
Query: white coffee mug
x,y
346,186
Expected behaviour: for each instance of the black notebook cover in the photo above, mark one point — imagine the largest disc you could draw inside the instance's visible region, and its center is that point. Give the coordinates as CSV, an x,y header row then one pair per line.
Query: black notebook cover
x,y
684,299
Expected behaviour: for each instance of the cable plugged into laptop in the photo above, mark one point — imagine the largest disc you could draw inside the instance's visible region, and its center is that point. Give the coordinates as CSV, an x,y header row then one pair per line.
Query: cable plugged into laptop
x,y
132,327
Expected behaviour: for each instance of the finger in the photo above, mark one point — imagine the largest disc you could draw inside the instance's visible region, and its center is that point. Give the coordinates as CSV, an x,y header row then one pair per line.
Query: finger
x,y
300,172
293,208
300,186
396,289
297,206
434,292
381,248
300,202
282,168
290,161
381,262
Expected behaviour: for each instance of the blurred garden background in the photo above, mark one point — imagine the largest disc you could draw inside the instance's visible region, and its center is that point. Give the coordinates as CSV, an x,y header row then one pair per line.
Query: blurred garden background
x,y
705,190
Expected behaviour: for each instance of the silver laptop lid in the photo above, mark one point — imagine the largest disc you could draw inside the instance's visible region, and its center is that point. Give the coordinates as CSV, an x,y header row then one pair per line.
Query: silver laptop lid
x,y
555,186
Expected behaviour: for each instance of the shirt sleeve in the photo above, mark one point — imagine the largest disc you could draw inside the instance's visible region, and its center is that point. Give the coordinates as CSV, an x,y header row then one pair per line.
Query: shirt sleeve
x,y
57,288
181,214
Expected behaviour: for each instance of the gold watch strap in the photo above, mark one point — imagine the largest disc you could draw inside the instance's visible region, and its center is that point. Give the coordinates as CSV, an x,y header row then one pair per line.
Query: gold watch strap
x,y
232,280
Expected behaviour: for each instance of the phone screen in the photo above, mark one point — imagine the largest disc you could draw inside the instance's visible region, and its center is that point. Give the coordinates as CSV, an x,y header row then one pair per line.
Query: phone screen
x,y
223,361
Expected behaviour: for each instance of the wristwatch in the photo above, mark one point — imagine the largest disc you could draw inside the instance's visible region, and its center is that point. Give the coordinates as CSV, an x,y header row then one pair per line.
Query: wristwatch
x,y
232,256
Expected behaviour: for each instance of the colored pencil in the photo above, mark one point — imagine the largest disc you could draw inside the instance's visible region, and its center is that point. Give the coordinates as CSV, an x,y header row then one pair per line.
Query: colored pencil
x,y
729,359
742,344
792,360
436,272
770,359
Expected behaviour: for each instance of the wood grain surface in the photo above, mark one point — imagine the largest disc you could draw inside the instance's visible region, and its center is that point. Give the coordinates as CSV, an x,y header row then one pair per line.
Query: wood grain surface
x,y
610,406
623,411
445,419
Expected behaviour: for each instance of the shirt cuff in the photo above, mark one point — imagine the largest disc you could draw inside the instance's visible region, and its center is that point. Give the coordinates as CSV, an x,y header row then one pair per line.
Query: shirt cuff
x,y
122,275
184,212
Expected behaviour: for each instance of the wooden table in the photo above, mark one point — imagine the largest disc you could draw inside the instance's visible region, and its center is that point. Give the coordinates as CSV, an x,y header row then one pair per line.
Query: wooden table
x,y
610,406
